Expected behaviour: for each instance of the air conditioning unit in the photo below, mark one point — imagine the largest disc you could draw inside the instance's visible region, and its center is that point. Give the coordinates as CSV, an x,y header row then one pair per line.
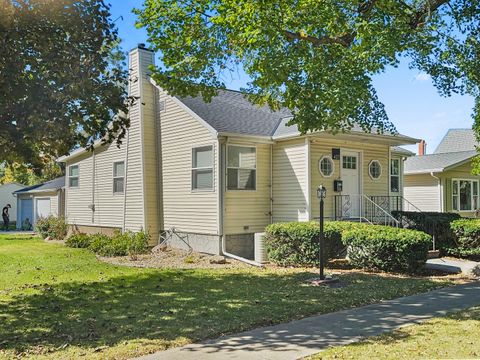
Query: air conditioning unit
x,y
260,250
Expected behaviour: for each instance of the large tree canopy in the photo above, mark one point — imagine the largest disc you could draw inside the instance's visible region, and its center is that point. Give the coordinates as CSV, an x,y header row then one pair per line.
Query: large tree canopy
x,y
315,57
62,78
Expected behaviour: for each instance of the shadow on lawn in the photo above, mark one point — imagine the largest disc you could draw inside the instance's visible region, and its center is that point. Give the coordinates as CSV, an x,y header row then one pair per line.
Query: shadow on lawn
x,y
172,304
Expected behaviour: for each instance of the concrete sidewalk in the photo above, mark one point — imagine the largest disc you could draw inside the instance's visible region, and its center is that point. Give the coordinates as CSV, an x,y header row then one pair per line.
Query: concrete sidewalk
x,y
310,335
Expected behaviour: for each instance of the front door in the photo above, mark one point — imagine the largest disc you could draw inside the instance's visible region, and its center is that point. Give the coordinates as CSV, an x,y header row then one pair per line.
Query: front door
x,y
26,213
350,173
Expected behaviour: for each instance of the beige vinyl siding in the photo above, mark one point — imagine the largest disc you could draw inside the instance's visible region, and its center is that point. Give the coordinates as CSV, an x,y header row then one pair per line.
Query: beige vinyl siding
x,y
96,169
368,152
422,190
463,171
184,209
290,181
108,206
54,201
79,198
248,211
150,142
134,209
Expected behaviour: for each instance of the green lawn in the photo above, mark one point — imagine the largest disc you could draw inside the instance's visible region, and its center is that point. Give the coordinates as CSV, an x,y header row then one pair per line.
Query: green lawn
x,y
58,302
453,337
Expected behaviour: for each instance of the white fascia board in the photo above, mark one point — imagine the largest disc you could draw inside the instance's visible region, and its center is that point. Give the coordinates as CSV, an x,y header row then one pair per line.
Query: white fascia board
x,y
424,171
188,110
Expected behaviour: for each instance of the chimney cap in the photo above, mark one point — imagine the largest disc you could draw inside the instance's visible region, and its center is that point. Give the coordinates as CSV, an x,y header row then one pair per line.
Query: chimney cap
x,y
141,46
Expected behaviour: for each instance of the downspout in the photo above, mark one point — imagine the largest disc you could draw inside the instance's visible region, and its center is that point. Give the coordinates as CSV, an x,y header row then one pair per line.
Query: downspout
x,y
93,187
440,192
271,183
126,182
221,210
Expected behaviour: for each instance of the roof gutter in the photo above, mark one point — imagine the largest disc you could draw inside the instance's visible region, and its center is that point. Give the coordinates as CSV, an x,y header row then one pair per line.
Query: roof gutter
x,y
440,192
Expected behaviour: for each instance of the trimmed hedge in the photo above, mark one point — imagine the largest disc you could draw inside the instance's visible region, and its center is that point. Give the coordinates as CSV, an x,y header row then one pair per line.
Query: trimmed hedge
x,y
467,238
433,223
52,227
296,243
128,243
387,248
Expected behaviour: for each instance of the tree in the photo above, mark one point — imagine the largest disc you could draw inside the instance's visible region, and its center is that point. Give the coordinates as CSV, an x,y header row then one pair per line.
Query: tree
x,y
62,79
316,58
24,174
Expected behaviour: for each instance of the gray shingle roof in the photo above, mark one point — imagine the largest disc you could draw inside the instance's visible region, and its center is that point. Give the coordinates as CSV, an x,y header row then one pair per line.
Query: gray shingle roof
x,y
457,140
55,184
400,150
436,162
231,112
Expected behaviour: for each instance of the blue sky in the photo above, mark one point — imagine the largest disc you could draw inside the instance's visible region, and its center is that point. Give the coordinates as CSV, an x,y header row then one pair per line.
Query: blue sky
x,y
411,100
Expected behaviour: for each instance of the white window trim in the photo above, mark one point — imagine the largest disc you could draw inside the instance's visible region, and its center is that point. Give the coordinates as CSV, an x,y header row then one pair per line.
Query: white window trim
x,y
471,198
320,167
118,177
232,167
192,169
370,172
392,175
74,177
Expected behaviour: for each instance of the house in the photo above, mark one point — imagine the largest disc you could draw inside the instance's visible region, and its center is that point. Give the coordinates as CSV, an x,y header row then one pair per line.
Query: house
x,y
443,181
219,172
40,201
7,197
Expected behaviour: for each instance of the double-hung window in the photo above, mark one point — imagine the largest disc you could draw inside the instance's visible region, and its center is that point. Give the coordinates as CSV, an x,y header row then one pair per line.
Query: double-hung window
x,y
395,175
241,168
118,177
202,168
73,176
464,195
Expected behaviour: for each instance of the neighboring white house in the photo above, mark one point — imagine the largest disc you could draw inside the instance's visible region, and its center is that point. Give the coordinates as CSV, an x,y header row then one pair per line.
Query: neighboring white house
x,y
7,197
40,201
443,181
221,171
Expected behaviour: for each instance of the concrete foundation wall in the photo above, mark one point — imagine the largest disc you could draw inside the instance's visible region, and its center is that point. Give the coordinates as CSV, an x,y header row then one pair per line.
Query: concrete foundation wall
x,y
241,245
204,243
92,229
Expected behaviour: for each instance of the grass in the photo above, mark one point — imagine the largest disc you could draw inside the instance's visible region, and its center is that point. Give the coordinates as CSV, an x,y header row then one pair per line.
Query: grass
x,y
453,337
58,302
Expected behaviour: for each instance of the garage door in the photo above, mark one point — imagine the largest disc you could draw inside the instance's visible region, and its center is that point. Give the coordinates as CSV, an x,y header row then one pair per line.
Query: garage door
x,y
43,208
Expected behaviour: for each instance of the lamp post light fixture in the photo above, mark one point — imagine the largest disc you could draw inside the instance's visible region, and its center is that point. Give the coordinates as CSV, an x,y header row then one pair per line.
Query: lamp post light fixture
x,y
321,194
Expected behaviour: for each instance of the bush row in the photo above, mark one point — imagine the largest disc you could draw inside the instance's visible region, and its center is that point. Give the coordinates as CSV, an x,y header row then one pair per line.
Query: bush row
x,y
467,238
128,243
367,246
433,223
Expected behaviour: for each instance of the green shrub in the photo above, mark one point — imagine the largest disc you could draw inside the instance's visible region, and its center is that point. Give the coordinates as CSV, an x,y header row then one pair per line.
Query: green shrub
x,y
296,243
433,223
467,238
387,248
52,227
79,241
119,244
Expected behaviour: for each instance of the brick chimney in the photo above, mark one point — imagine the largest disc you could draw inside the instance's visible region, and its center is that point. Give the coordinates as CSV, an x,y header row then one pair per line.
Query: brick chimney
x,y
422,147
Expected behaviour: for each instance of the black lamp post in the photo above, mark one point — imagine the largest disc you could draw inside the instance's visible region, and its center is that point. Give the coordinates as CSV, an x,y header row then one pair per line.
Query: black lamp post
x,y
321,194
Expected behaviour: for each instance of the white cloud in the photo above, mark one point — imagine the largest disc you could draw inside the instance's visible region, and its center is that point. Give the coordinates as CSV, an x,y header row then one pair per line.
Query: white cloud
x,y
422,77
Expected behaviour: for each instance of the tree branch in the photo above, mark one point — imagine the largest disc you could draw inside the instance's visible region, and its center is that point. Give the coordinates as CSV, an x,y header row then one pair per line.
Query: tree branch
x,y
425,11
344,40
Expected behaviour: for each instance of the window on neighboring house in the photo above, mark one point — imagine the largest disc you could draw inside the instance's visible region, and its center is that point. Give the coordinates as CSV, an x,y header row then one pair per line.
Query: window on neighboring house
x,y
118,177
241,168
395,175
464,195
202,168
73,176
375,169
326,166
